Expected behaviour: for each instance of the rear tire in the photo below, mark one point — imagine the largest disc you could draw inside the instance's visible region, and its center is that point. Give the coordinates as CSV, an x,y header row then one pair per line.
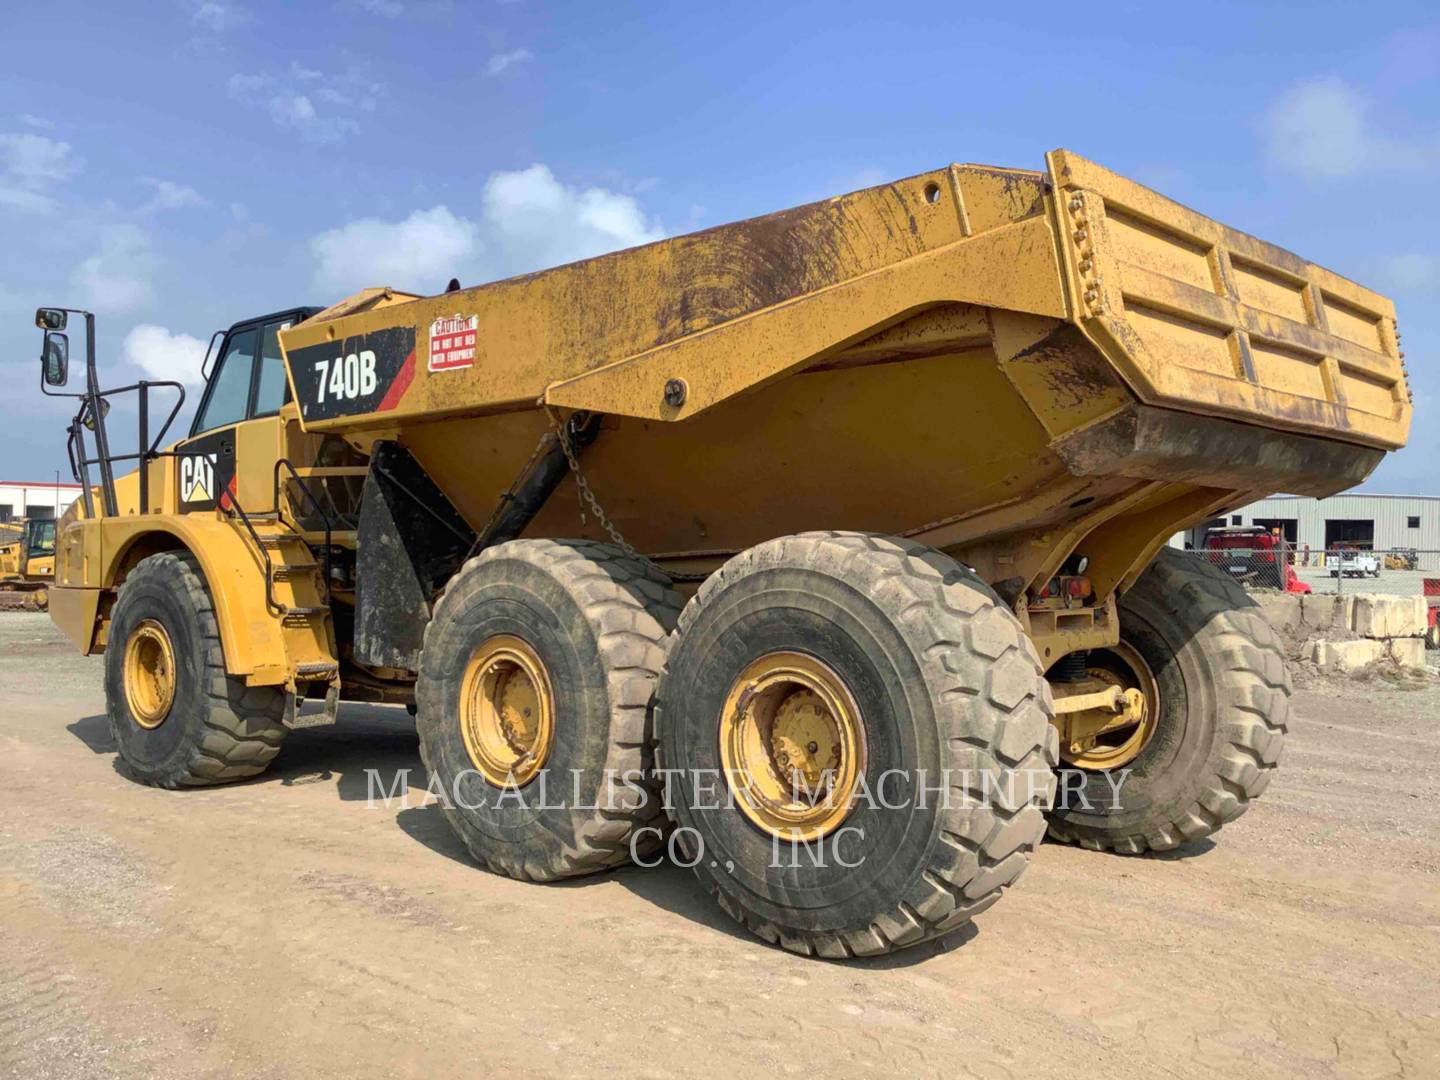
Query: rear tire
x,y
1224,704
941,677
216,729
591,622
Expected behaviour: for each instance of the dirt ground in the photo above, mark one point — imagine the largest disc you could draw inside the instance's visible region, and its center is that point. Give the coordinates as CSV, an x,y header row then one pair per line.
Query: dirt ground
x,y
282,928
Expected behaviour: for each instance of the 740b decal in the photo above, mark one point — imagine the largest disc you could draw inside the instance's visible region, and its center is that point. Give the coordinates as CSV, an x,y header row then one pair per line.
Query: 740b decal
x,y
349,376
361,374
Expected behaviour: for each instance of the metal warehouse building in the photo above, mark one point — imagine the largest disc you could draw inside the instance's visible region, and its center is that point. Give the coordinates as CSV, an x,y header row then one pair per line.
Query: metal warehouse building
x,y
1380,522
35,498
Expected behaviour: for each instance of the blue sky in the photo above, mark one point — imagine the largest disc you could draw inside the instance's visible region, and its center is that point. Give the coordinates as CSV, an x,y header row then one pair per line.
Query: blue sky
x,y
183,164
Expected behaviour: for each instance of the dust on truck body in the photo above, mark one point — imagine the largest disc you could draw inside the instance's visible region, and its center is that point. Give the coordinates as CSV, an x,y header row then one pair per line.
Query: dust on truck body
x,y
867,492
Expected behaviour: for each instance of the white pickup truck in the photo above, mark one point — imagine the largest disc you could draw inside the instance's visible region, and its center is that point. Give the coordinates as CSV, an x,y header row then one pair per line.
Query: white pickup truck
x,y
1353,564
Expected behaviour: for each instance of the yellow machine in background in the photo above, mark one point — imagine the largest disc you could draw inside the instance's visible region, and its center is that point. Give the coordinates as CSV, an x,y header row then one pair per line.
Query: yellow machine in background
x,y
27,563
831,506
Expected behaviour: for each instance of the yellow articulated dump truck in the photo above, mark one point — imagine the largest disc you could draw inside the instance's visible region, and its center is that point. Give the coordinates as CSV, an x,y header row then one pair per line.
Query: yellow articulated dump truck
x,y
827,548
27,562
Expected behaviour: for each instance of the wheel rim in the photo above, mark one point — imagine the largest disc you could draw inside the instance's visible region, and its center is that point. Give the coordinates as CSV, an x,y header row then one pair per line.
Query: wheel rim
x,y
1120,665
507,711
149,674
792,746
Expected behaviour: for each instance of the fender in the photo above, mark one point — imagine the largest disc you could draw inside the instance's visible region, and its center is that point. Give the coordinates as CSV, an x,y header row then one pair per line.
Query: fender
x,y
251,636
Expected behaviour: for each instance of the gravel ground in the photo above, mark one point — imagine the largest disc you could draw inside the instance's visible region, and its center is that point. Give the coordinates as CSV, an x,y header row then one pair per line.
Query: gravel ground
x,y
282,927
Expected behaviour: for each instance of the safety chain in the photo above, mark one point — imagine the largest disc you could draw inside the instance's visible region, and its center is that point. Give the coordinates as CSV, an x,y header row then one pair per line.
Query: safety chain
x,y
562,432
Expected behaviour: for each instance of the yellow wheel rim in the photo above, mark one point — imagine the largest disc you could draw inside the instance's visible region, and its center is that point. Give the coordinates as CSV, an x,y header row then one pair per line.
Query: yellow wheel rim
x,y
149,674
1120,665
792,746
507,711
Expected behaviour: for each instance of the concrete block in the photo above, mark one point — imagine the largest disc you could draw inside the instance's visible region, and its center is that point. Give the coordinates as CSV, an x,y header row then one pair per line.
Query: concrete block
x,y
1346,656
1408,652
1326,611
1281,609
1417,619
1382,616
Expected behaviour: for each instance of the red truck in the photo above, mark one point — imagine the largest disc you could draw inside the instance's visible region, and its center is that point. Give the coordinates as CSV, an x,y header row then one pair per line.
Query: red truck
x,y
1253,555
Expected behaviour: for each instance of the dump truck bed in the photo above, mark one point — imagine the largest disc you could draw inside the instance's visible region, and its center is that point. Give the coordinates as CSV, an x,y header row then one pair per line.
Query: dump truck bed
x,y
1008,365
1193,314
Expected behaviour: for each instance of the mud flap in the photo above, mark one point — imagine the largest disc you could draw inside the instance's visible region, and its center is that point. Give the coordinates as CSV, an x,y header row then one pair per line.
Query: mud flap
x,y
410,541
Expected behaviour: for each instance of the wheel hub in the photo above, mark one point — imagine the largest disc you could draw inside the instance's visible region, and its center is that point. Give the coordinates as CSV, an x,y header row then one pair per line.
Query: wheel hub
x,y
1117,743
149,673
507,711
792,746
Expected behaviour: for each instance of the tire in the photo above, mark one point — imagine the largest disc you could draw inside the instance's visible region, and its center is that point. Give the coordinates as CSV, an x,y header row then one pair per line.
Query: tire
x,y
597,620
1225,700
217,728
942,676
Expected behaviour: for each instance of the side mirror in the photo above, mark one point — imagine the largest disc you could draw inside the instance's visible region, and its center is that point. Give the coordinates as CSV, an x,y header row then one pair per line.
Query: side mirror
x,y
56,358
49,318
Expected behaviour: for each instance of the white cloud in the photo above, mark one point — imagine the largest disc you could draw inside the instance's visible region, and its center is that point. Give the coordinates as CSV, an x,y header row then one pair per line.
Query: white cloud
x,y
394,9
427,247
534,220
30,165
38,122
163,355
298,112
528,220
117,277
387,9
170,196
244,86
218,17
1322,127
292,100
500,61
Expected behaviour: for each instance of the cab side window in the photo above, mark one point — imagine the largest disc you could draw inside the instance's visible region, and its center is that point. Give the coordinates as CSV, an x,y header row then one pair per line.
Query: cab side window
x,y
271,388
43,542
230,385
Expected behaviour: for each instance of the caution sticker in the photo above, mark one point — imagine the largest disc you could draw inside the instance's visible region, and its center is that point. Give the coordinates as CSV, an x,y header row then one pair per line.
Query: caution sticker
x,y
452,342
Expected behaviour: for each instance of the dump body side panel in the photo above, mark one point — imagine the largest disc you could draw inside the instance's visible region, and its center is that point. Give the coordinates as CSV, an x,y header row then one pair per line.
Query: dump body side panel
x,y
782,288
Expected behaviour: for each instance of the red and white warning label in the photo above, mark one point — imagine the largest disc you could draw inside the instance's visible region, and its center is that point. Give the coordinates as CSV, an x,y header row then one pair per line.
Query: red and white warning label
x,y
452,342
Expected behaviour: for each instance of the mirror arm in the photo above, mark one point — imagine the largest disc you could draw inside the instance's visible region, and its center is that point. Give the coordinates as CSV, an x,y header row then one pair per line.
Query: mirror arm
x,y
102,441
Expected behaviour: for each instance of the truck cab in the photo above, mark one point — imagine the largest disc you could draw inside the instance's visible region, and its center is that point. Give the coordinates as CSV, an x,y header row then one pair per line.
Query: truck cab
x,y
31,555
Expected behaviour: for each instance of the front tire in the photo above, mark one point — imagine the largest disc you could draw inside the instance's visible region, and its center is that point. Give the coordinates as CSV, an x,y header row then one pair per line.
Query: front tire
x,y
881,660
1224,701
178,718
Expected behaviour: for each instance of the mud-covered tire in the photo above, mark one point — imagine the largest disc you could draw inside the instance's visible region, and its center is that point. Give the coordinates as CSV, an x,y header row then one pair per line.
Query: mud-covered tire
x,y
943,677
1225,702
218,729
597,619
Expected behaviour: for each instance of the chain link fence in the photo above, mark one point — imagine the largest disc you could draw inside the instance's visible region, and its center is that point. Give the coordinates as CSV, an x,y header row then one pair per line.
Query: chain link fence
x,y
1264,562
